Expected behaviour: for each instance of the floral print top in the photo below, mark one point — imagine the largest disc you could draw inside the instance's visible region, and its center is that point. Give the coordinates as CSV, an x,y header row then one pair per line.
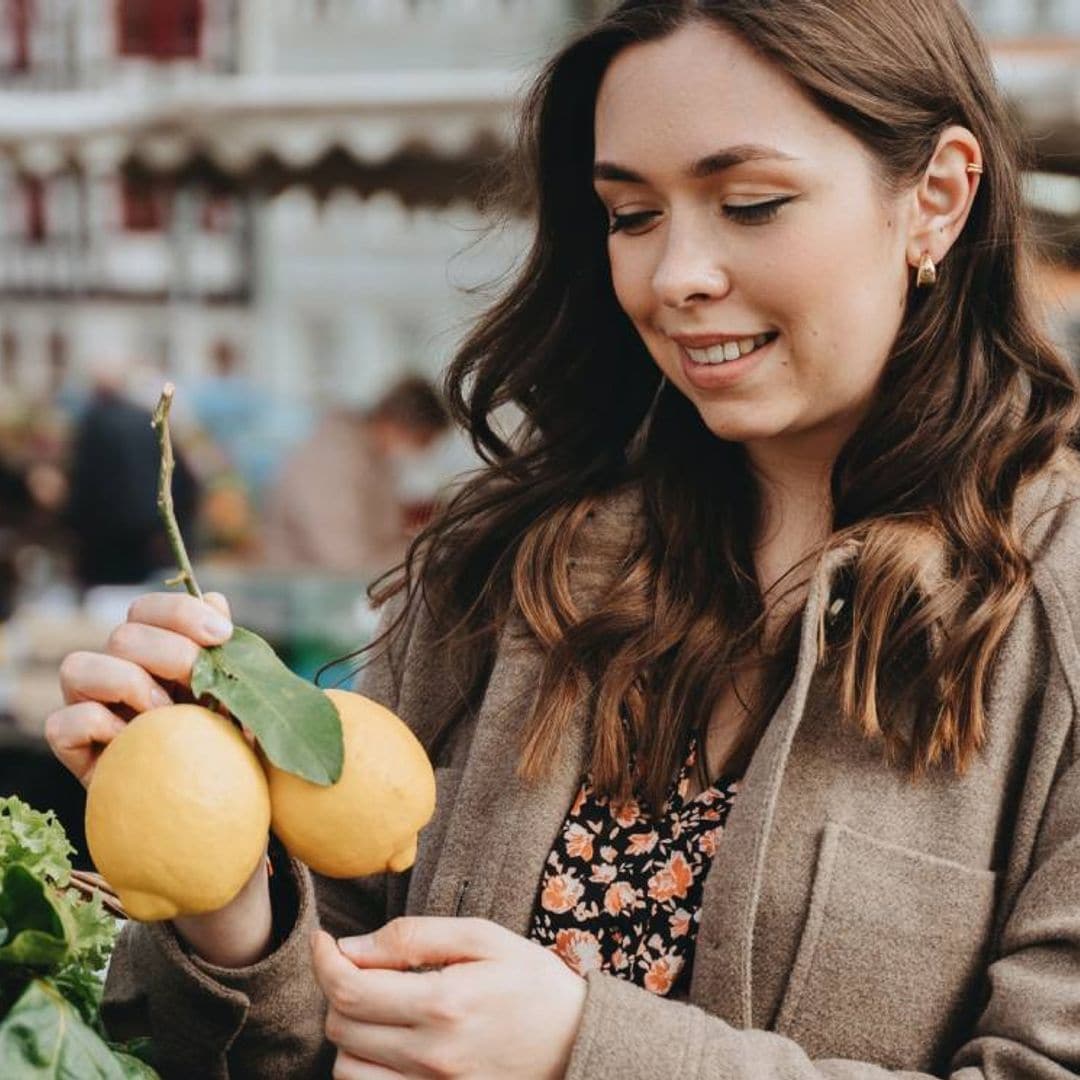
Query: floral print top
x,y
621,892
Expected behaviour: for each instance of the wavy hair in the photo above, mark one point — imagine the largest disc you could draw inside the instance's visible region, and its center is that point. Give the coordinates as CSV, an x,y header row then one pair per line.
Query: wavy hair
x,y
973,400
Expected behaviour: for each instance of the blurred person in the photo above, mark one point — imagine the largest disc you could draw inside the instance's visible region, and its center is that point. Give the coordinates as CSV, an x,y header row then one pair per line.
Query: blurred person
x,y
351,496
749,666
112,503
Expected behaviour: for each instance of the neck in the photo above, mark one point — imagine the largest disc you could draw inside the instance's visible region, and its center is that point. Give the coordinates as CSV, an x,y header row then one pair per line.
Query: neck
x,y
796,504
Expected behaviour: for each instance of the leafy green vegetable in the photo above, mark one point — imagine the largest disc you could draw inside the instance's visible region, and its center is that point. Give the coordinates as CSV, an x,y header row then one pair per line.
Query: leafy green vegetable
x,y
54,946
43,1036
296,723
34,839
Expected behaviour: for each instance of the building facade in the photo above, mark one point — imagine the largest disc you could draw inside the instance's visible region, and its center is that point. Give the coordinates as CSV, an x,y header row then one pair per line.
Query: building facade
x,y
181,179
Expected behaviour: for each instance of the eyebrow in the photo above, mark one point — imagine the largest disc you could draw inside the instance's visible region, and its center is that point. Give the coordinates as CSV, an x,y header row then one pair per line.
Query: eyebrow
x,y
707,166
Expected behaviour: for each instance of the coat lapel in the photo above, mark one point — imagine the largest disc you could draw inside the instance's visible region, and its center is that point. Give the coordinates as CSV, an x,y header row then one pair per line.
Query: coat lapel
x,y
500,830
723,962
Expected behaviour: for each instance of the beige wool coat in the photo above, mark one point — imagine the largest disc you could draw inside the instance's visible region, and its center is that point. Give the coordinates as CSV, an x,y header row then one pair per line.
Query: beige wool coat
x,y
853,925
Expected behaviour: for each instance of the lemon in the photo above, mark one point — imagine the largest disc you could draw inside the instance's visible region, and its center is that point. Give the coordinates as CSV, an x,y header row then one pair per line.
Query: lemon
x,y
368,821
177,813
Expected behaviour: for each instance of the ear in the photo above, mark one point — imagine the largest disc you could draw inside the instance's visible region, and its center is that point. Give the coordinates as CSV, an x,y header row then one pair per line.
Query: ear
x,y
943,197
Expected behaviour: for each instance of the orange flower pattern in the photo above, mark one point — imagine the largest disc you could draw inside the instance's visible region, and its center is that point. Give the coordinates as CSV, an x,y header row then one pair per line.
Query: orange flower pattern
x,y
621,891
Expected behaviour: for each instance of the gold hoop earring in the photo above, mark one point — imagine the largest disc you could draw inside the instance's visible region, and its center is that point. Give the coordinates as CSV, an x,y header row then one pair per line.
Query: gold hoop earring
x,y
927,275
974,167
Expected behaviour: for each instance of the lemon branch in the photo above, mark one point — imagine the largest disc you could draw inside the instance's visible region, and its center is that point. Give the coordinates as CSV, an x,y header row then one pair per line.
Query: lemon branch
x,y
166,510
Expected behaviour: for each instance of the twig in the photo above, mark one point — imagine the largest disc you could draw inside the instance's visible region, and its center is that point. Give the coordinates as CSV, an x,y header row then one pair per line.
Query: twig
x,y
160,422
89,883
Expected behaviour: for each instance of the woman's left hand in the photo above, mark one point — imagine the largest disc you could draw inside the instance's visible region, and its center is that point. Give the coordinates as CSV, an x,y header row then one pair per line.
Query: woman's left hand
x,y
497,1005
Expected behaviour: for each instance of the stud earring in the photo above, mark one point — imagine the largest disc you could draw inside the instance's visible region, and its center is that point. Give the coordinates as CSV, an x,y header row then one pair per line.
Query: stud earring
x,y
927,275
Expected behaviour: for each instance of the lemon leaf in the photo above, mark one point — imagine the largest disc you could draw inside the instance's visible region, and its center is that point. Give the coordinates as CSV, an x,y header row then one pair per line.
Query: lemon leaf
x,y
295,723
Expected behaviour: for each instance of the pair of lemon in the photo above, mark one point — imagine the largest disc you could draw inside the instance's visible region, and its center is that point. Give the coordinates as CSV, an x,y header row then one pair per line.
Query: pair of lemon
x,y
179,806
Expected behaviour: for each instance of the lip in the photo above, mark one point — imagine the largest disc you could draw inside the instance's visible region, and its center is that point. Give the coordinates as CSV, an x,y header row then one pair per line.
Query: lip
x,y
706,341
720,376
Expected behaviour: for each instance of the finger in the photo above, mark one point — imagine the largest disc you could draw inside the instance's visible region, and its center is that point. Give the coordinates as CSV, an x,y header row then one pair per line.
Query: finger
x,y
219,601
87,676
164,653
77,735
417,941
346,1067
377,997
188,615
392,1048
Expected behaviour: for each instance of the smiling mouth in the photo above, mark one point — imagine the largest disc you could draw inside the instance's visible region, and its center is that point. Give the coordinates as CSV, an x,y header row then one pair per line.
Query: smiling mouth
x,y
730,350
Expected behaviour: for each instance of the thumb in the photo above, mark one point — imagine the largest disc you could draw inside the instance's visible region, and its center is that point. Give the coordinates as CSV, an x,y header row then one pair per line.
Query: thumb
x,y
427,941
217,600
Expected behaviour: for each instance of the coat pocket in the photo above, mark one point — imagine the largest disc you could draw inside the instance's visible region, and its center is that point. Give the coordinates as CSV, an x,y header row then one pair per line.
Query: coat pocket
x,y
890,967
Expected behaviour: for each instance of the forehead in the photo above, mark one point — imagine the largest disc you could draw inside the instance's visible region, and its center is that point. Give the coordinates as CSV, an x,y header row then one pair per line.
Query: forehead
x,y
700,88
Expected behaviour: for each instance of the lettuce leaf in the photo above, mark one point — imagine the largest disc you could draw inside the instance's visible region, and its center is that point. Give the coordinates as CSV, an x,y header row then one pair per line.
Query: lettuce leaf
x,y
35,840
54,947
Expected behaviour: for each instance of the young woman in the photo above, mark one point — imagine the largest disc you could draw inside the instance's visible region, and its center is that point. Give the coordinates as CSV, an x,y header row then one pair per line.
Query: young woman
x,y
749,667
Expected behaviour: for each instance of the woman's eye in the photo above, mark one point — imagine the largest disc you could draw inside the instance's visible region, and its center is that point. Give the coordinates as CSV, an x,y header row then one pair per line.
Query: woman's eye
x,y
630,222
756,213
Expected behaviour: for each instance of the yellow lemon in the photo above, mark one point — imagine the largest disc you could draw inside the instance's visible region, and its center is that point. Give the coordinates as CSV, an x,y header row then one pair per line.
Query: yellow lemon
x,y
177,813
368,821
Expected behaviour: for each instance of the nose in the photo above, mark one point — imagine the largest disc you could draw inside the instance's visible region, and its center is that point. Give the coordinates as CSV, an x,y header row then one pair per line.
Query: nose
x,y
691,267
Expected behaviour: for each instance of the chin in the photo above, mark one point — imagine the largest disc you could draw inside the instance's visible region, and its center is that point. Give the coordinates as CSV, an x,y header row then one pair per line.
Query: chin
x,y
737,425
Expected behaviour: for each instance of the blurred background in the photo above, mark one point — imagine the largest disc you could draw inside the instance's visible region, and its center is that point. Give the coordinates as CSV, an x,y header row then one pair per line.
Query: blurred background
x,y
279,205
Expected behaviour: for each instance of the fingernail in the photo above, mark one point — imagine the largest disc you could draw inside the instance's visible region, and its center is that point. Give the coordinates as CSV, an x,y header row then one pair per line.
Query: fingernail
x,y
159,698
218,626
355,947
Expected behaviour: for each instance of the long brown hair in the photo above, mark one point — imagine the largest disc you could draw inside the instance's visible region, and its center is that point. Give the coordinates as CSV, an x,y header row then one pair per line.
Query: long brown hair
x,y
973,399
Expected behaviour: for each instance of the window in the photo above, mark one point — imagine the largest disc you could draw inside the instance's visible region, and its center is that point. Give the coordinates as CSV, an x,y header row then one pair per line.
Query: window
x,y
146,204
35,226
19,15
159,29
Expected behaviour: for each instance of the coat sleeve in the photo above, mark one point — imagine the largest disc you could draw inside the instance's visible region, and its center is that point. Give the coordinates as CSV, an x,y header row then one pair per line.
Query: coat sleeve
x,y
264,1021
1029,1029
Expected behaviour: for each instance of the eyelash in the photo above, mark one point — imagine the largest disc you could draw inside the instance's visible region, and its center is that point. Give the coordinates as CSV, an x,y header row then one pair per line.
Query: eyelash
x,y
753,214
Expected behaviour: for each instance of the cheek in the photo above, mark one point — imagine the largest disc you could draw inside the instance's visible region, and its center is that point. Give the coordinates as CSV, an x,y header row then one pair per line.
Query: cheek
x,y
631,277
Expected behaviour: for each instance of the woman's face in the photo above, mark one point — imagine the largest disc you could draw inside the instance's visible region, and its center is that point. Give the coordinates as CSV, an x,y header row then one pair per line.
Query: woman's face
x,y
756,253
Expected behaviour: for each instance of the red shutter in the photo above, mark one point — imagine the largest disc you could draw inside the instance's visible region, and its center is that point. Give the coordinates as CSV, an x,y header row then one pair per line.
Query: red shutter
x,y
33,188
146,205
20,16
159,29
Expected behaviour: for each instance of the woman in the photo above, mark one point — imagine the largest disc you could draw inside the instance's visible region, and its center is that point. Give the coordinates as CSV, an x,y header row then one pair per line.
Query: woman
x,y
749,666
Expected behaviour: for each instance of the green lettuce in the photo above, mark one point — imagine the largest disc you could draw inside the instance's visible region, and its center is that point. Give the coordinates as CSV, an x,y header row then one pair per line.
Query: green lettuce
x,y
54,946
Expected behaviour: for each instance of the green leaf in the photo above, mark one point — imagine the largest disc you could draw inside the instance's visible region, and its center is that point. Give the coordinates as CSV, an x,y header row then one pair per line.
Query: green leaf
x,y
134,1068
35,839
43,1038
92,929
37,932
295,723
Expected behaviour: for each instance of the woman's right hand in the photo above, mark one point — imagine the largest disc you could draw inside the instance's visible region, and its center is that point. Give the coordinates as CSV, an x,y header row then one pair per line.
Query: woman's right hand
x,y
147,663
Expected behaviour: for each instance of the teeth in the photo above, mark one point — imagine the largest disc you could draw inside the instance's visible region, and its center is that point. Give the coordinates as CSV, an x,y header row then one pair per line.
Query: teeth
x,y
731,350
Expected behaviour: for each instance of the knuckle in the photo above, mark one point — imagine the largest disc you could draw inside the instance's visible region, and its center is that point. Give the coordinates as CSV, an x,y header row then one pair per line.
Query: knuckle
x,y
400,935
55,723
333,1026
71,666
337,992
444,1060
441,1007
122,640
